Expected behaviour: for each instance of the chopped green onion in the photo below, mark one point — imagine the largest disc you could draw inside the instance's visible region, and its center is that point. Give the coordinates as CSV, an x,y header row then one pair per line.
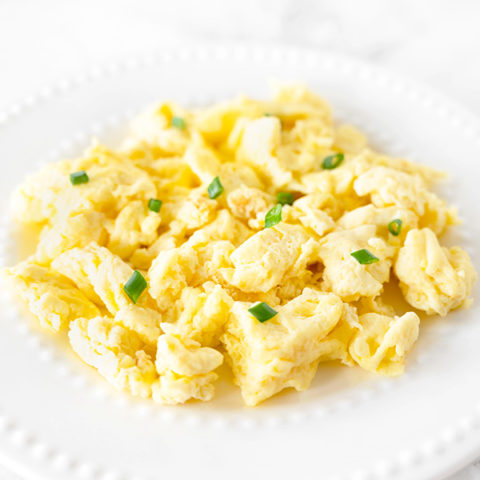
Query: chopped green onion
x,y
395,227
215,189
267,114
154,205
262,311
135,285
332,161
79,177
178,122
273,216
285,198
364,257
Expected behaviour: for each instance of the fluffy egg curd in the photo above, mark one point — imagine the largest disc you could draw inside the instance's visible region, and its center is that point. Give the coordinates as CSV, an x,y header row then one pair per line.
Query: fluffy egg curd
x,y
256,233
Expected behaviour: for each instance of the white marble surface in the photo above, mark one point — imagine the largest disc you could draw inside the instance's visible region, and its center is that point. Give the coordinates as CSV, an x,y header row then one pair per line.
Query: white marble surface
x,y
436,41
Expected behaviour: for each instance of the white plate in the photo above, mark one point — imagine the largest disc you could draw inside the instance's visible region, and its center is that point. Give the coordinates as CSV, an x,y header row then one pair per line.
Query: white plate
x,y
59,419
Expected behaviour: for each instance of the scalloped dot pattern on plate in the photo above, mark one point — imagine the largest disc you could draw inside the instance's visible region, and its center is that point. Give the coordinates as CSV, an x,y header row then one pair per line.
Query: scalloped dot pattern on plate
x,y
326,413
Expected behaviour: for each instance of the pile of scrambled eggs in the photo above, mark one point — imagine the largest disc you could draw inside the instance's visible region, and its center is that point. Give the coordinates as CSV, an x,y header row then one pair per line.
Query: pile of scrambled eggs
x,y
256,233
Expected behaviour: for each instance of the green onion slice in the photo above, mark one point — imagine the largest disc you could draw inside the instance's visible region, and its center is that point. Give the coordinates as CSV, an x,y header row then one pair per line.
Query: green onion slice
x,y
332,161
364,257
395,227
154,205
273,216
135,285
178,122
285,198
79,177
262,311
215,189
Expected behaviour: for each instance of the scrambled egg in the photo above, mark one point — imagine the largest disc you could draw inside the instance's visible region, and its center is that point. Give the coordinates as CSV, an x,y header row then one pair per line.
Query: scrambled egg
x,y
255,233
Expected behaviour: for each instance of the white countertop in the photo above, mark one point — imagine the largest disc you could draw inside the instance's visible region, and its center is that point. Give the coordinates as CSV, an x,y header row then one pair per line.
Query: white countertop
x,y
435,41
